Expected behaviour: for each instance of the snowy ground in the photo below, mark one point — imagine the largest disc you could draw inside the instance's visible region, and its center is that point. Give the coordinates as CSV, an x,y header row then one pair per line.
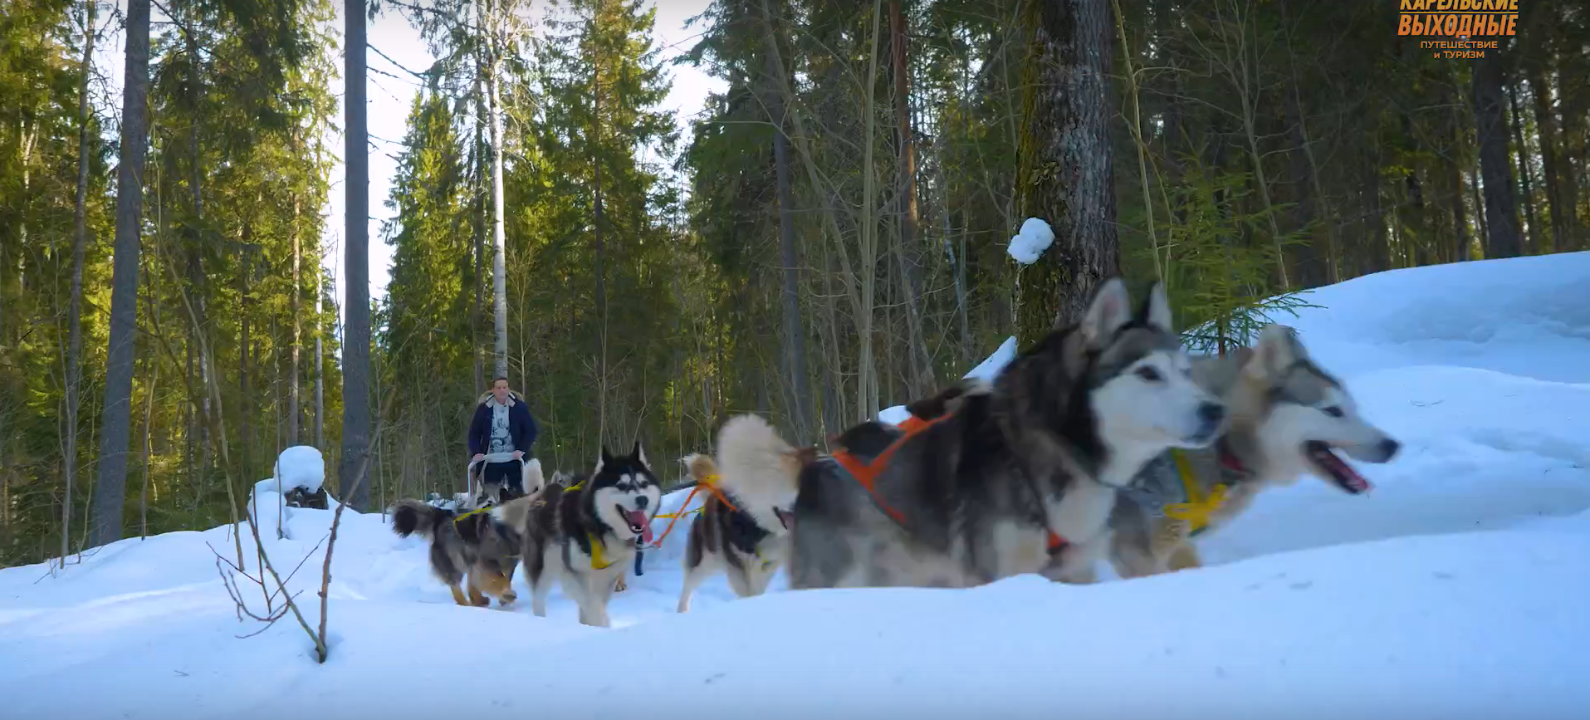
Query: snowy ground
x,y
1456,590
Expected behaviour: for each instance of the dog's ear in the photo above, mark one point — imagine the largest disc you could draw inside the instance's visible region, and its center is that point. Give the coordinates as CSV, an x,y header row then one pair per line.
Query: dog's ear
x,y
1276,351
1109,310
603,459
639,454
1156,308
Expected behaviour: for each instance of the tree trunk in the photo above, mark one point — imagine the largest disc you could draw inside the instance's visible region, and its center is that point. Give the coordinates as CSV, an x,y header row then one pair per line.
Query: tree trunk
x,y
1524,175
499,262
1490,121
1418,223
356,261
908,252
1070,181
1546,129
794,328
245,400
320,361
294,408
110,491
476,349
601,251
74,348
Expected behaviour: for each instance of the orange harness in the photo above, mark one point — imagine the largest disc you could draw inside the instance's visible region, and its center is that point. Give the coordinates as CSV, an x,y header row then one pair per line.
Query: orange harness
x,y
867,473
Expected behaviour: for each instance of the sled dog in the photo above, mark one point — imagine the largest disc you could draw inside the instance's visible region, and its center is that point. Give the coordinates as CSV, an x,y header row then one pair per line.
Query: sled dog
x,y
743,527
480,544
1015,477
1288,418
584,534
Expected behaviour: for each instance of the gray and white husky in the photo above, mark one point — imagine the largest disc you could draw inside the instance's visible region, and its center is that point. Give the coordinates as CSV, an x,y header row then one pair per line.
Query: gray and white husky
x,y
1288,418
583,532
1012,478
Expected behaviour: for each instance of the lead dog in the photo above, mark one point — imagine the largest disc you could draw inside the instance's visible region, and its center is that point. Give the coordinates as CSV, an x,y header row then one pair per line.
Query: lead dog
x,y
1288,418
584,534
1019,477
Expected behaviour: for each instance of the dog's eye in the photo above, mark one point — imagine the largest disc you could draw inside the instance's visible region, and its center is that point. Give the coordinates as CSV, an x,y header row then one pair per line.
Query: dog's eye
x,y
1333,411
1149,374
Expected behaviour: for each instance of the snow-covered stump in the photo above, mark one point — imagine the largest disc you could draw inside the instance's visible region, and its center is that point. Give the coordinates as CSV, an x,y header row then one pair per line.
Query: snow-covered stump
x,y
301,478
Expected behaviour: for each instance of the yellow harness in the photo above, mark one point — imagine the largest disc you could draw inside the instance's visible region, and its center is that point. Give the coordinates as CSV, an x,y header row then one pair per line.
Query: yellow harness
x,y
1199,508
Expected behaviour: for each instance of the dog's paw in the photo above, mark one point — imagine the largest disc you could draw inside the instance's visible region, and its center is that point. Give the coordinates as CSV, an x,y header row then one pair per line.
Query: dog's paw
x,y
620,587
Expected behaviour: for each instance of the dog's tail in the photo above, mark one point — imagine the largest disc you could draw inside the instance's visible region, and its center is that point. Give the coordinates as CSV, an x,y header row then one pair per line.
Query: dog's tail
x,y
412,517
754,459
702,468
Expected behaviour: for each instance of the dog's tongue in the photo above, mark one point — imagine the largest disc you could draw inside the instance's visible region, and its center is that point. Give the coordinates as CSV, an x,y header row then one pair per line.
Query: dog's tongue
x,y
638,518
1344,472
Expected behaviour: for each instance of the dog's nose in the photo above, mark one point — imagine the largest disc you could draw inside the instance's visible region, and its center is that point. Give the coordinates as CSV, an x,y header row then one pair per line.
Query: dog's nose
x,y
640,503
1389,448
1211,414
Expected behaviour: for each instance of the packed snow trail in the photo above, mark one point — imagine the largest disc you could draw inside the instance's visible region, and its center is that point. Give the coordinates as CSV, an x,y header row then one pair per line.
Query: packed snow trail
x,y
1454,590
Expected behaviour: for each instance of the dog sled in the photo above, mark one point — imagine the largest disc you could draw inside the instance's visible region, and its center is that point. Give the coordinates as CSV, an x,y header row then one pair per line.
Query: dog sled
x,y
482,494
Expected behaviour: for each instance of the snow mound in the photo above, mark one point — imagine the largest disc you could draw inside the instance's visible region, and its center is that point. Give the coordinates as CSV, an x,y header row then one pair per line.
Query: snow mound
x,y
1029,243
300,466
1523,316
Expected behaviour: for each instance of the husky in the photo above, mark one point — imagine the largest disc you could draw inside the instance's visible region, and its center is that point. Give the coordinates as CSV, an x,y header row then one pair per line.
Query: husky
x,y
585,533
1288,418
1016,477
482,544
743,527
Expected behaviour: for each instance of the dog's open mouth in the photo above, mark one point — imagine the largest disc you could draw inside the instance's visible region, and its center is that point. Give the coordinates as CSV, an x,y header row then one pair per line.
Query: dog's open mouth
x,y
785,517
1332,465
638,524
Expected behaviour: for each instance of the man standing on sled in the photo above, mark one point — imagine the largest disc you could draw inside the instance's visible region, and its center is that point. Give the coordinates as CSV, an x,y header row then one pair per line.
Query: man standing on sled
x,y
504,430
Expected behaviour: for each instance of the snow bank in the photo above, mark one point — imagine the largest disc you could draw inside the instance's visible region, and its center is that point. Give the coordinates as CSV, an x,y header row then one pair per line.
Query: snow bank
x,y
1029,243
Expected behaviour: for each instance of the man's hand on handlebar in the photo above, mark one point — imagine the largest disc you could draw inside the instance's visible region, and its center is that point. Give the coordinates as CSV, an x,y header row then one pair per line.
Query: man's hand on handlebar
x,y
518,454
477,458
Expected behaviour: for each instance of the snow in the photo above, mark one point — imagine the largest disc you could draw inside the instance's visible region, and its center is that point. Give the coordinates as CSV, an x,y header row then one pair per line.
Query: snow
x,y
299,466
1455,590
1029,243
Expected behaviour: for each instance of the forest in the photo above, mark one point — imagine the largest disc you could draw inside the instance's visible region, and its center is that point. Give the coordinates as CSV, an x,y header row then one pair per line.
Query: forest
x,y
828,238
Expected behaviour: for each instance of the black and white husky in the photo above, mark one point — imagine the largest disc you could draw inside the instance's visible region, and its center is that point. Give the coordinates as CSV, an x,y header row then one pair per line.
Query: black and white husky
x,y
585,533
1016,477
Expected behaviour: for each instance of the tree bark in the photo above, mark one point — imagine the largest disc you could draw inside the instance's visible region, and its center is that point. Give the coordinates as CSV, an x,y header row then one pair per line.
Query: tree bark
x,y
320,360
499,262
356,293
1490,121
1524,175
74,347
294,408
1070,181
794,328
907,253
1559,207
110,492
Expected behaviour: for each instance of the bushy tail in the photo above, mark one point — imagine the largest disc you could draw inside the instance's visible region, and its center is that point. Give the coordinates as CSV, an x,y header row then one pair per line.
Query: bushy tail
x,y
413,517
753,459
702,469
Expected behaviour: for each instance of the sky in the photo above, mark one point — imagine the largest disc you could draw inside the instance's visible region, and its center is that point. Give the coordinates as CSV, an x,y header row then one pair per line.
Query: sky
x,y
389,99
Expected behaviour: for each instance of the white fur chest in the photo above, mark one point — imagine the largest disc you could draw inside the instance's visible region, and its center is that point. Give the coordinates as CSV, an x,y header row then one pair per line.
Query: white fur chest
x,y
1081,513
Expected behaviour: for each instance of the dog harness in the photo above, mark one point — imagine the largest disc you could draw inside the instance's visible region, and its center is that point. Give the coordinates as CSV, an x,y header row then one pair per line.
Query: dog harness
x,y
867,473
1199,508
